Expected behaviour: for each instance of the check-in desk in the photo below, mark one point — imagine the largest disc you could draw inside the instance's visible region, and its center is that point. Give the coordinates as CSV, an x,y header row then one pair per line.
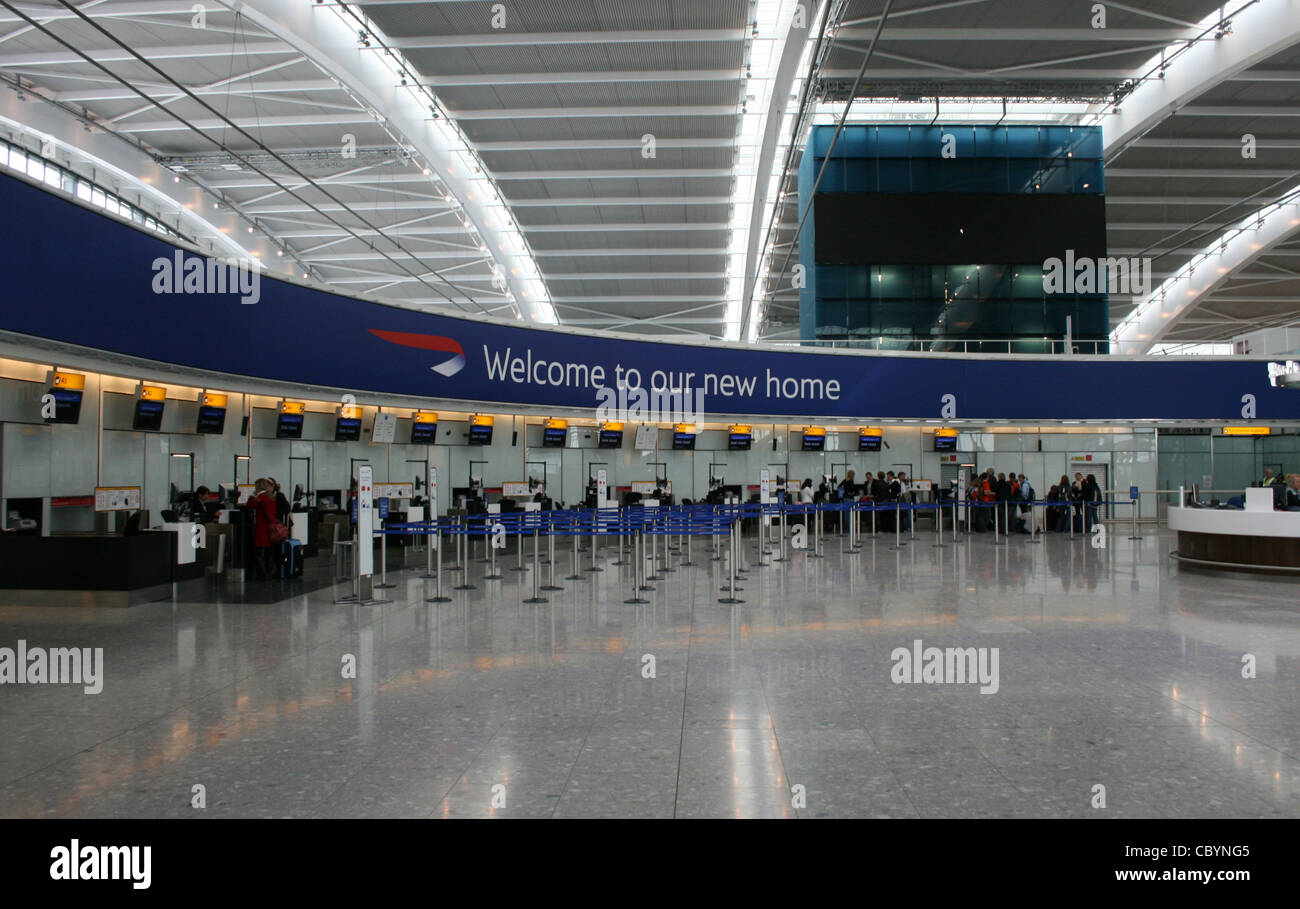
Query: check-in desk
x,y
1255,540
90,569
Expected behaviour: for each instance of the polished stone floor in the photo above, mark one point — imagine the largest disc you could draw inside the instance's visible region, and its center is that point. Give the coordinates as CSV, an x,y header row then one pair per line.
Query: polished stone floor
x,y
1116,669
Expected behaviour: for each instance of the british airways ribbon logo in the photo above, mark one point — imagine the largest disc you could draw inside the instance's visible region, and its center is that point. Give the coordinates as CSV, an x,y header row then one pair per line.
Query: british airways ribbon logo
x,y
448,367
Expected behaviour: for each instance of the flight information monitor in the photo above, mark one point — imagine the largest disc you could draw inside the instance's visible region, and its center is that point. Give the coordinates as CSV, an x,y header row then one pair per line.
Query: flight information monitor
x,y
347,429
148,415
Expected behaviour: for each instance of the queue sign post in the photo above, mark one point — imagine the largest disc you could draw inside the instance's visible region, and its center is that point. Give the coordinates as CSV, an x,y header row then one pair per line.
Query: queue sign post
x,y
1135,501
365,532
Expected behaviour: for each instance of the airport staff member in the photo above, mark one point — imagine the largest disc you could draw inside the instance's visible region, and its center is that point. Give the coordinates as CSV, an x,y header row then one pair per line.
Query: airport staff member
x,y
1292,499
1269,479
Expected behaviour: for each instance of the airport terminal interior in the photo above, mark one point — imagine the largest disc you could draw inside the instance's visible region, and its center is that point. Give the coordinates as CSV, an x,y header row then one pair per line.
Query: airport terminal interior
x,y
692,409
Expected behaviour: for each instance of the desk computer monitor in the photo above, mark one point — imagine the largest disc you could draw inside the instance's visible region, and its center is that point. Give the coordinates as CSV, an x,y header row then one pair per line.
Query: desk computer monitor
x,y
740,441
554,436
683,441
347,429
868,442
611,438
945,443
814,442
289,426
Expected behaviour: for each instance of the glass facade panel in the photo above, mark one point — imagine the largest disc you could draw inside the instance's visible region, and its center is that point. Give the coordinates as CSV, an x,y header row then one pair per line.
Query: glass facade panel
x,y
989,300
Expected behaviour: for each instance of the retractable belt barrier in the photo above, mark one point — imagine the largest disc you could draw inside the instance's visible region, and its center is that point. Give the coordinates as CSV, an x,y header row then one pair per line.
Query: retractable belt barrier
x,y
642,528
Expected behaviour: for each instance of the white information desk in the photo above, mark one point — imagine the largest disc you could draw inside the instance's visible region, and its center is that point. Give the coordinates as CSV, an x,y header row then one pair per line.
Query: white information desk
x,y
1236,523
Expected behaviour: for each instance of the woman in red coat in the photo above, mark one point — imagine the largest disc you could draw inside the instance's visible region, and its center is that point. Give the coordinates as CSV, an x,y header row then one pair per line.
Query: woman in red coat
x,y
262,505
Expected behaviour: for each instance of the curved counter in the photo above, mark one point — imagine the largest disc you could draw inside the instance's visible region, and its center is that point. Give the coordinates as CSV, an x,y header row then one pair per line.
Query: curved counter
x,y
1234,540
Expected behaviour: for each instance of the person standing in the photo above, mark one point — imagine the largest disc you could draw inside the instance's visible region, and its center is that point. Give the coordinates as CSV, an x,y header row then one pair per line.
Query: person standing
x,y
262,507
1091,498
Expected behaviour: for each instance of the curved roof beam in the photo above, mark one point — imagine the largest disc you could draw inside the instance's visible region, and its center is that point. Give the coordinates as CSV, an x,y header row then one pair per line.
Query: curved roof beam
x,y
328,36
1258,32
1179,295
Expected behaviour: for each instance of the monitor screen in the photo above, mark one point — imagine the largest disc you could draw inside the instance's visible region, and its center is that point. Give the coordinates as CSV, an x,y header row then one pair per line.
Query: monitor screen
x,y
148,416
868,443
739,441
684,441
611,438
289,426
424,433
553,437
480,435
67,405
945,443
813,442
212,420
347,429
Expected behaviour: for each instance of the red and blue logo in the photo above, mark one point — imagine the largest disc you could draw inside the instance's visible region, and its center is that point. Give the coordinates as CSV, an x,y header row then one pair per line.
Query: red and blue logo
x,y
449,367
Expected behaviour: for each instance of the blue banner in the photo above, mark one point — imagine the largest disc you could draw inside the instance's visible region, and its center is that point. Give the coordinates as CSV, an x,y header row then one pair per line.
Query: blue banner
x,y
80,277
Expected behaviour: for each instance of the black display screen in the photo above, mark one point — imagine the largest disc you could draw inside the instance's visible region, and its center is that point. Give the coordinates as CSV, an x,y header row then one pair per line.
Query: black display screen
x,y
347,429
739,441
957,228
553,437
67,406
945,443
480,435
611,438
148,416
424,433
814,442
684,441
868,443
289,426
212,420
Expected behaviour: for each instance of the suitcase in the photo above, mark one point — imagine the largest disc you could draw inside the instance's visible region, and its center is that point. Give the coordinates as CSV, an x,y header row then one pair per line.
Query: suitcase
x,y
291,559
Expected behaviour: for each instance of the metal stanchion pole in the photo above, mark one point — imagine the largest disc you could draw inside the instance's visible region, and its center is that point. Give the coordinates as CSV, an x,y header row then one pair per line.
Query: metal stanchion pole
x,y
573,531
383,560
550,548
996,528
938,523
438,597
536,597
1033,525
637,565
1137,503
428,554
898,526
464,584
519,547
731,588
817,533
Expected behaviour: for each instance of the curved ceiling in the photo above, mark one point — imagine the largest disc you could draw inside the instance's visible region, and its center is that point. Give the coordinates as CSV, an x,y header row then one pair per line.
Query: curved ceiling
x,y
631,153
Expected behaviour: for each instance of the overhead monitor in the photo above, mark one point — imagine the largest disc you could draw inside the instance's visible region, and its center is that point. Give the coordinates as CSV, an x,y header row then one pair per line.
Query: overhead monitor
x,y
66,388
740,438
289,423
684,437
814,438
348,426
869,438
611,434
554,433
149,405
480,429
1247,431
945,440
212,414
424,427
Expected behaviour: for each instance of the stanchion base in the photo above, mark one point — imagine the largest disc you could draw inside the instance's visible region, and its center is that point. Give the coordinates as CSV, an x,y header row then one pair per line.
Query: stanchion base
x,y
654,577
636,601
1034,541
493,577
647,587
536,600
730,601
1137,538
729,589
938,545
437,599
428,577
666,570
465,587
519,569
687,564
999,542
575,577
621,562
550,587
384,586
594,568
